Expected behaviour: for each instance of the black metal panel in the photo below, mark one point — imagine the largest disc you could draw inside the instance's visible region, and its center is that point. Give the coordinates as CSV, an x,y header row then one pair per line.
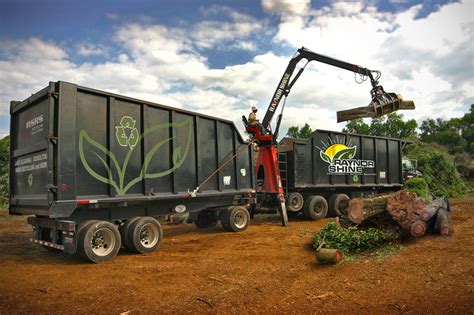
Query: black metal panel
x,y
157,122
91,140
381,160
183,155
244,164
368,148
394,161
66,168
226,151
128,150
207,152
30,123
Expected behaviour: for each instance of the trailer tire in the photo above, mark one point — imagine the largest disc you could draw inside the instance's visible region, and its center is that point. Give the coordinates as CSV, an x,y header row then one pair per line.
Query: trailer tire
x,y
315,208
294,202
207,219
124,231
338,205
98,241
144,235
235,219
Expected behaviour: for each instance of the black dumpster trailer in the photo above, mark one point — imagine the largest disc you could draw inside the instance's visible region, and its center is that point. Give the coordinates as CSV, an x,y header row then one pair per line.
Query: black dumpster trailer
x,y
320,174
95,169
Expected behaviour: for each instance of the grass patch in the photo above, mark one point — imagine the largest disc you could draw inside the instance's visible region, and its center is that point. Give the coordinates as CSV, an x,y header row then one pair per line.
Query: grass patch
x,y
388,250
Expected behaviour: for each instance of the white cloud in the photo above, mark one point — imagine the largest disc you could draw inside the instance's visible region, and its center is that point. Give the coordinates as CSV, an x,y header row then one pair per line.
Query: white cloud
x,y
286,7
89,49
429,60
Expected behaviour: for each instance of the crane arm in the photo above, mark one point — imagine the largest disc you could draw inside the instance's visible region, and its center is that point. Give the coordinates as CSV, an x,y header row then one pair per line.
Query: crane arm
x,y
285,85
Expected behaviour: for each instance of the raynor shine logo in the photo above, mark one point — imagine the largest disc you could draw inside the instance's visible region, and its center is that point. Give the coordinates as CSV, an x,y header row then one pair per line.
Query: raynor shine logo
x,y
340,157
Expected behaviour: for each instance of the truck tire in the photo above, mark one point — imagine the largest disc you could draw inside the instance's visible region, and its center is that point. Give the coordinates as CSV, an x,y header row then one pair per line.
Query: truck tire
x,y
315,208
124,231
206,219
144,235
235,219
98,241
338,204
294,202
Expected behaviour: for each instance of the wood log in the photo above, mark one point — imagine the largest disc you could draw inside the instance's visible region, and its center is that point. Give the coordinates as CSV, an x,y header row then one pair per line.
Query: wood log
x,y
328,255
417,228
443,223
431,208
361,209
374,110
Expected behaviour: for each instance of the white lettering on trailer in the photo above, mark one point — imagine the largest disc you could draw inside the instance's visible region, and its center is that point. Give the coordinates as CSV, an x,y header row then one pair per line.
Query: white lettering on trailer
x,y
35,121
33,163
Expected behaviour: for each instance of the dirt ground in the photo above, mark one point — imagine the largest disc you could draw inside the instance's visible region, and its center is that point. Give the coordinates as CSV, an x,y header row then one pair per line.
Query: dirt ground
x,y
265,269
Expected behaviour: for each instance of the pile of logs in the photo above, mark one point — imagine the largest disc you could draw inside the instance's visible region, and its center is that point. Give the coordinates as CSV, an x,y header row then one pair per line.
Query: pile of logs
x,y
412,214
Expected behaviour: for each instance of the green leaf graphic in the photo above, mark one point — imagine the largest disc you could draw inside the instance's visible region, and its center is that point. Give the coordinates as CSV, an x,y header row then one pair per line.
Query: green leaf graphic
x,y
346,154
178,155
85,138
326,158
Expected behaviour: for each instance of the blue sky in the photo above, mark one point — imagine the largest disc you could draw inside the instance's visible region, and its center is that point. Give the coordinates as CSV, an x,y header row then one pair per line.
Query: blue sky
x,y
221,57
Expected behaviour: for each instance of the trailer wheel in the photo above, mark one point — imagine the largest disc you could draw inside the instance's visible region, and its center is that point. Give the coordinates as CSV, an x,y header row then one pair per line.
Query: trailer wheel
x,y
206,219
235,219
315,208
338,205
124,230
98,241
144,235
294,202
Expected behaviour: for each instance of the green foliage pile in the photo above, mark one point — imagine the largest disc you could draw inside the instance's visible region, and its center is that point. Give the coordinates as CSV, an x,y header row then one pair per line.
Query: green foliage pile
x,y
351,239
419,187
439,170
4,176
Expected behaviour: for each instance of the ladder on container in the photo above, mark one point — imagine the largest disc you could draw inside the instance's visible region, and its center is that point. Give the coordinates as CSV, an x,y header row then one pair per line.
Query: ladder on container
x,y
282,165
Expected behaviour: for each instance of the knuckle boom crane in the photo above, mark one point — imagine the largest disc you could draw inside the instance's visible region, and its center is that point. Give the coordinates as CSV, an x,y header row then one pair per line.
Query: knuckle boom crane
x,y
269,185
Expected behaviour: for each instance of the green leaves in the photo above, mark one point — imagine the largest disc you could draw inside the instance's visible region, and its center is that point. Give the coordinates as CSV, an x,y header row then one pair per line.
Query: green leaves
x,y
326,158
127,135
346,154
351,239
343,154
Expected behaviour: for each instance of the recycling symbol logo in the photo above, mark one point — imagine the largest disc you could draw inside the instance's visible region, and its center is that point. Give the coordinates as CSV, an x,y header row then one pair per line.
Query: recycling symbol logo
x,y
30,180
127,134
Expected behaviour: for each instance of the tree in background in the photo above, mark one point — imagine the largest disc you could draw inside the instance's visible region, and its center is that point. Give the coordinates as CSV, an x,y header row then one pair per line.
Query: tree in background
x,y
4,175
391,125
438,168
296,132
456,134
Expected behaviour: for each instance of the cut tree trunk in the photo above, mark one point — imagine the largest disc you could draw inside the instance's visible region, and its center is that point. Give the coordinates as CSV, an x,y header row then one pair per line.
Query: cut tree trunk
x,y
361,209
328,255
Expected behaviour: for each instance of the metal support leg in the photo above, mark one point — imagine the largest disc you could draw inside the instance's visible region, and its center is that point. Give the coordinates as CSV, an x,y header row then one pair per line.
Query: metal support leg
x,y
282,207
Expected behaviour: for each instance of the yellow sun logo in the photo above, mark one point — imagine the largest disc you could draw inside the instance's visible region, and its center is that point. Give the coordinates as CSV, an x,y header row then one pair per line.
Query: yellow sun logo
x,y
336,150
333,149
